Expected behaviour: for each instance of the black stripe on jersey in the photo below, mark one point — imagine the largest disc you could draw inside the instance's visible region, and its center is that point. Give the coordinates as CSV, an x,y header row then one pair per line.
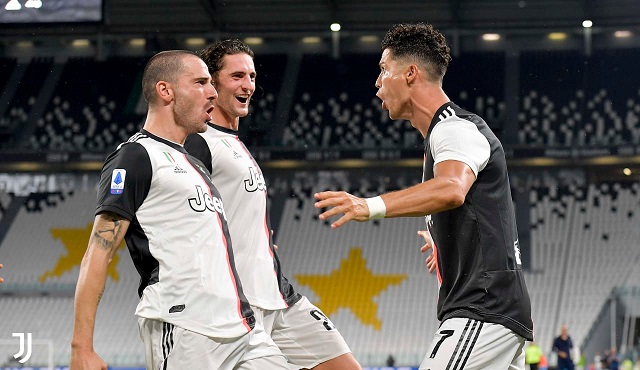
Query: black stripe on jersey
x,y
171,337
453,355
473,343
245,308
467,340
137,136
167,342
289,294
197,146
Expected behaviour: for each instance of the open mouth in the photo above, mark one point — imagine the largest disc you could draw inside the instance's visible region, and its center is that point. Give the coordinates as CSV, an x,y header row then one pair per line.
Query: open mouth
x,y
242,99
209,113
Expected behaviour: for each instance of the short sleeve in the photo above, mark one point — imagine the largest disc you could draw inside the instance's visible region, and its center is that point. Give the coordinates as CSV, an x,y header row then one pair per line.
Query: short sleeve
x,y
460,140
197,146
125,181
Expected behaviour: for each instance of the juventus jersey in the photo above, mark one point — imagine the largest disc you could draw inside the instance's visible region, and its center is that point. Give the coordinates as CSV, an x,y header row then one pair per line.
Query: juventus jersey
x,y
478,257
242,186
178,237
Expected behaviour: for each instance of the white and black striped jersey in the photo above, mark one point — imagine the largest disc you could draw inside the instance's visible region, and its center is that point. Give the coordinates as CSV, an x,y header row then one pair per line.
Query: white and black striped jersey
x,y
178,237
243,189
478,257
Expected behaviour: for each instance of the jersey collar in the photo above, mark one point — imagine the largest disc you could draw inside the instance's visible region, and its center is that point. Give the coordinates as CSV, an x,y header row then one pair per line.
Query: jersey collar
x,y
175,146
222,129
439,116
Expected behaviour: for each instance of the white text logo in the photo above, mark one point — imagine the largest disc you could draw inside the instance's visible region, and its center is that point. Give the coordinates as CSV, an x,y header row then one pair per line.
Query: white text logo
x,y
204,201
255,181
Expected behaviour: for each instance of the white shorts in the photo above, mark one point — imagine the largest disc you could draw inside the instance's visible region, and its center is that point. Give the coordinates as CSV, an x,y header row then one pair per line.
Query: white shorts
x,y
169,347
303,333
468,344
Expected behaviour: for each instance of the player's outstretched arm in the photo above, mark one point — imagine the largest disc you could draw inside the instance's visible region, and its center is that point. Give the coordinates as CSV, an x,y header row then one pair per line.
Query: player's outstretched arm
x,y
445,191
352,207
107,234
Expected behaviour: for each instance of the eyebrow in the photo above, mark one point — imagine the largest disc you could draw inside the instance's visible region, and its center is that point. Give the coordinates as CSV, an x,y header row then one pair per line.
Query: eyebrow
x,y
243,73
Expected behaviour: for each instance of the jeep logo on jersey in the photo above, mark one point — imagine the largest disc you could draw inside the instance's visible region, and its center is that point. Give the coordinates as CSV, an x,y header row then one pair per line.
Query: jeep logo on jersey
x,y
204,201
255,181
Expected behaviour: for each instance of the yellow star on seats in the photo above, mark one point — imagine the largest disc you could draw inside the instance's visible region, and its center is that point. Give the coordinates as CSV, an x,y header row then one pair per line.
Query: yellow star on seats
x,y
351,286
75,242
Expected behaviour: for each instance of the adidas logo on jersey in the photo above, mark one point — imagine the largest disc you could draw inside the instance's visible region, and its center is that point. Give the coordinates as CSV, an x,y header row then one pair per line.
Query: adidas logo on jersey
x,y
236,155
179,169
449,112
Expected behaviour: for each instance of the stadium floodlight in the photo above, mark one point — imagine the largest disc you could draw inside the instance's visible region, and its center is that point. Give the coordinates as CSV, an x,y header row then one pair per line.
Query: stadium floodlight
x,y
335,27
491,37
557,36
137,42
80,43
23,44
34,4
622,34
195,41
13,5
369,38
253,40
311,40
587,23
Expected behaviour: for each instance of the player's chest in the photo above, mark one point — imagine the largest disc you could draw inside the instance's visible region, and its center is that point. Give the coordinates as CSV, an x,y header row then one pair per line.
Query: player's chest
x,y
235,167
175,172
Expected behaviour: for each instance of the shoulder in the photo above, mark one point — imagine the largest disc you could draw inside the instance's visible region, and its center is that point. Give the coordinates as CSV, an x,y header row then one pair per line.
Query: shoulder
x,y
454,125
132,151
198,147
195,142
131,156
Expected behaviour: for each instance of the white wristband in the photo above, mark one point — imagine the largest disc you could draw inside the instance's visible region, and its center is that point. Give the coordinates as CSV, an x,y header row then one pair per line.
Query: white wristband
x,y
377,208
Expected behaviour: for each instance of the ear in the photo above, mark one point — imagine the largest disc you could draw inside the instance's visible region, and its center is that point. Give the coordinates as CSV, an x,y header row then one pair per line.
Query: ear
x,y
411,73
164,91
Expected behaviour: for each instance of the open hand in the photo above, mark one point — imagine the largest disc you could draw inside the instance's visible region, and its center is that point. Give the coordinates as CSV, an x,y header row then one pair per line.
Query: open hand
x,y
431,259
352,207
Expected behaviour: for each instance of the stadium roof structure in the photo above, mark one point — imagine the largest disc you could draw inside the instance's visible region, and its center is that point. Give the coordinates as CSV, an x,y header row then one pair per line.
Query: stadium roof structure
x,y
295,18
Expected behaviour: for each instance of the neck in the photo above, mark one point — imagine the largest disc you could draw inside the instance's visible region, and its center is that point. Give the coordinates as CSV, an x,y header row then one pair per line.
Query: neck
x,y
425,103
222,119
164,126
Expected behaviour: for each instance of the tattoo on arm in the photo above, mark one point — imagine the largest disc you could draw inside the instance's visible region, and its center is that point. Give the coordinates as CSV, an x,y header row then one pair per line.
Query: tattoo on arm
x,y
107,232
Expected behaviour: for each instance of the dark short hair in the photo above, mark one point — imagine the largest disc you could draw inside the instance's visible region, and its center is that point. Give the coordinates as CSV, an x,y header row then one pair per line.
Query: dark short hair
x,y
421,42
164,66
213,55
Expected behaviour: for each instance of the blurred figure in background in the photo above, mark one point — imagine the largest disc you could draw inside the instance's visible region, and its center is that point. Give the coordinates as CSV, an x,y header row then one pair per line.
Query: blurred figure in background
x,y
532,355
391,361
543,364
597,361
563,345
614,359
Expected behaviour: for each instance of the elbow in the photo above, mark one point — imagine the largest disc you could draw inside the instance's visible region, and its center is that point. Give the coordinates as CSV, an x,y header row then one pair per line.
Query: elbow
x,y
456,200
456,195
